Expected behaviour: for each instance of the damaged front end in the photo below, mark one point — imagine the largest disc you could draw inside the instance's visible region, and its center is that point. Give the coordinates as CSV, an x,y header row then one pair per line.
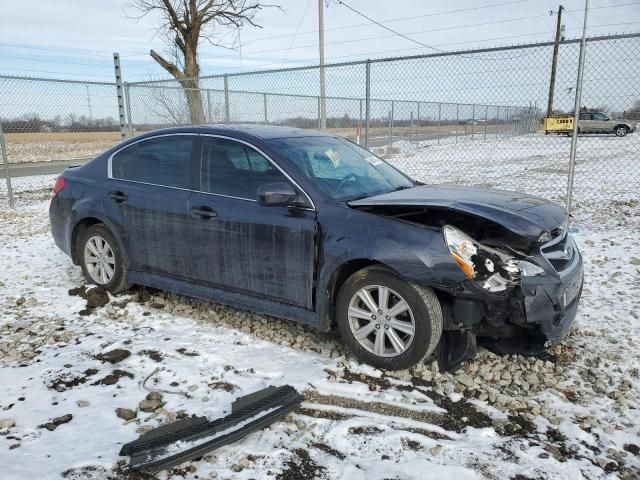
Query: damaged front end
x,y
511,301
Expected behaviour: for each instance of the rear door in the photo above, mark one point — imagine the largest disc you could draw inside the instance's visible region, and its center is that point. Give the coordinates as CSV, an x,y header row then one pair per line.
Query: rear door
x,y
150,184
240,245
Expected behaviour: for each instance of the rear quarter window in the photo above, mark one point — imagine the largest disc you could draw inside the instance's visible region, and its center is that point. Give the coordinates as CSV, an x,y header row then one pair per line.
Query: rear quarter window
x,y
122,163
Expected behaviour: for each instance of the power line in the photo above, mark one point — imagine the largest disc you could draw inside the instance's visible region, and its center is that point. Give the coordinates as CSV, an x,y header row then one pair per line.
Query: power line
x,y
293,39
393,20
340,2
368,54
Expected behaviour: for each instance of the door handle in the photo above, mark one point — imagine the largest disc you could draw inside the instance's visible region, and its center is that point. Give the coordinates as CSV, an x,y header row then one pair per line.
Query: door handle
x,y
118,196
203,212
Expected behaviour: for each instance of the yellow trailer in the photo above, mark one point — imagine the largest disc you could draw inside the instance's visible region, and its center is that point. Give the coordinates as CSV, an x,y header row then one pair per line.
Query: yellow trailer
x,y
560,124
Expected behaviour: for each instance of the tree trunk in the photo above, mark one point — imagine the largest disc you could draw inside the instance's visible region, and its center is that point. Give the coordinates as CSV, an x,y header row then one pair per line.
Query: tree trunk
x,y
194,100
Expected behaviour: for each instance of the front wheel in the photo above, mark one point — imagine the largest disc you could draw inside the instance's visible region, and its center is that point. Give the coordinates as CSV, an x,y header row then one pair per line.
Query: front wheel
x,y
620,131
102,262
386,321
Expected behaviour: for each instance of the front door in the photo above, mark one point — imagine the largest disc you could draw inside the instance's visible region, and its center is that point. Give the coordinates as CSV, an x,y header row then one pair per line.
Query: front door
x,y
148,198
240,245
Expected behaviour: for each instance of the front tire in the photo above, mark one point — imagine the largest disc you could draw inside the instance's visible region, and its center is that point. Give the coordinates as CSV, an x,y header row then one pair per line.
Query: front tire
x,y
386,321
620,131
101,259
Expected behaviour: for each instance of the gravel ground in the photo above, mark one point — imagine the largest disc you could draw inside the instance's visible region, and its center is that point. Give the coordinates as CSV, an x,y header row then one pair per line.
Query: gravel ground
x,y
572,414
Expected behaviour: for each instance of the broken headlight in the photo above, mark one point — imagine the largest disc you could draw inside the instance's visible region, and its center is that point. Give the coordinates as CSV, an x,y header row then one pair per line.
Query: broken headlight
x,y
526,269
492,270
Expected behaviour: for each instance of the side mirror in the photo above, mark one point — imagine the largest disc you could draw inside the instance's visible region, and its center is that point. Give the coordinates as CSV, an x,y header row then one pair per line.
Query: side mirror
x,y
278,194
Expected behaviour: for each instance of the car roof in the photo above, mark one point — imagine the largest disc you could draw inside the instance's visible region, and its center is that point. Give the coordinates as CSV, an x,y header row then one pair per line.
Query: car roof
x,y
263,132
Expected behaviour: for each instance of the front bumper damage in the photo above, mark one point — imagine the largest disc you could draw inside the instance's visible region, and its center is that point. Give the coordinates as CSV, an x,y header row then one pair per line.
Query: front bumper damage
x,y
525,319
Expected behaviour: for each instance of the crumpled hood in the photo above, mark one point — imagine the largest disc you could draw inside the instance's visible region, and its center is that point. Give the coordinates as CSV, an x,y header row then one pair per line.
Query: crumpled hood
x,y
525,215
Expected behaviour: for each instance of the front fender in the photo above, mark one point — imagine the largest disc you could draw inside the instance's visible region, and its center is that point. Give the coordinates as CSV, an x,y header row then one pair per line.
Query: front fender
x,y
415,252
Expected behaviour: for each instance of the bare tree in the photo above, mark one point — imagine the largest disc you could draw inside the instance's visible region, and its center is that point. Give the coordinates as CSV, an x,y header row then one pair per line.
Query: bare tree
x,y
183,24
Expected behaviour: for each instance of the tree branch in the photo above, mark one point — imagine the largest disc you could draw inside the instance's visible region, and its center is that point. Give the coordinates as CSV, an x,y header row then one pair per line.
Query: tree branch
x,y
168,66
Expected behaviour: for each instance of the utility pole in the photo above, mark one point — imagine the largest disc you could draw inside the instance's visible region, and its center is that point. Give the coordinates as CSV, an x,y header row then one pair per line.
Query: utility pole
x,y
554,62
323,99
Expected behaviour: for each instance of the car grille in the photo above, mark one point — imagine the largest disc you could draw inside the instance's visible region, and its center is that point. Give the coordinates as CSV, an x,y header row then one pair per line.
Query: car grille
x,y
560,252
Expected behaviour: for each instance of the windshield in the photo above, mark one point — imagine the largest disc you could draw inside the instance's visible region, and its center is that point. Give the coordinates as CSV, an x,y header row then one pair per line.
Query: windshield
x,y
341,169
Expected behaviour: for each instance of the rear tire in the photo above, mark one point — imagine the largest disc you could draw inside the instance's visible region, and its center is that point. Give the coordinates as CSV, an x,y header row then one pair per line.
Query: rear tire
x,y
620,130
101,259
375,325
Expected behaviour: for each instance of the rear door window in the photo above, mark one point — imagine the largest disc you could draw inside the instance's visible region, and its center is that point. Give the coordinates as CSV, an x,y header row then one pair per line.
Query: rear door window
x,y
234,169
164,161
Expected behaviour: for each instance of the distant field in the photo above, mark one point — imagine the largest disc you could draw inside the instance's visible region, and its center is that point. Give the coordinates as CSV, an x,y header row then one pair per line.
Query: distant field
x,y
47,146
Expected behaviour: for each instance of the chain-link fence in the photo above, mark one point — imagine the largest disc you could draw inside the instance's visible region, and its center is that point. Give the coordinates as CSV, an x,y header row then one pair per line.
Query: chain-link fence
x,y
473,117
48,124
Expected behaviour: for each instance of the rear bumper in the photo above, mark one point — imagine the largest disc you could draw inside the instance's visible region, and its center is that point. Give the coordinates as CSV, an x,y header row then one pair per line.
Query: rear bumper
x,y
59,221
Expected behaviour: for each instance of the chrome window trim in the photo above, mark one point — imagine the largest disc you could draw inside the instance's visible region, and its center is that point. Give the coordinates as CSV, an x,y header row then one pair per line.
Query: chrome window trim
x,y
111,177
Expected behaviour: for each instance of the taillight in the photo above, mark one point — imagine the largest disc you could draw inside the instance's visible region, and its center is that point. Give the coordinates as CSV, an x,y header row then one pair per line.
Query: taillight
x,y
59,185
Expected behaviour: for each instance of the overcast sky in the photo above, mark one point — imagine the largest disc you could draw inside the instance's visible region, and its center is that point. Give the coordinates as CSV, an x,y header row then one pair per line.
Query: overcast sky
x,y
75,38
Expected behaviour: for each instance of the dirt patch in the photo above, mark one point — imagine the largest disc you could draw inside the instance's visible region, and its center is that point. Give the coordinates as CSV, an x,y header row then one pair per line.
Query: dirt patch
x,y
325,414
365,430
426,433
226,386
187,353
331,451
152,354
374,407
67,380
113,377
300,467
113,356
96,297
411,444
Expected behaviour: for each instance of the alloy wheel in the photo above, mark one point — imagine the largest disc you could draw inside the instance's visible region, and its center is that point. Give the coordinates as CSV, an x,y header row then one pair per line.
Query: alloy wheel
x,y
381,321
99,260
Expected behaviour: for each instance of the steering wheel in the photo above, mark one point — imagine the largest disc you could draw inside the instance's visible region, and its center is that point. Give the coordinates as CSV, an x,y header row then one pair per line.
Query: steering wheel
x,y
345,180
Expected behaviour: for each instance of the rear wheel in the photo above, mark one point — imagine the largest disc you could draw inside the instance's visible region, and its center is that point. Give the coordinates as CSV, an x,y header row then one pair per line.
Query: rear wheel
x,y
386,321
621,130
101,259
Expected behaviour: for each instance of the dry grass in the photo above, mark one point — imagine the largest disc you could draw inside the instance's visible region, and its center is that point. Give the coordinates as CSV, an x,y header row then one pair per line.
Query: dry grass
x,y
47,146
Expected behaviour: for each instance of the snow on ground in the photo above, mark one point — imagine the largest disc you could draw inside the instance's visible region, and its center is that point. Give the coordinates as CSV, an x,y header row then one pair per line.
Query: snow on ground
x,y
572,414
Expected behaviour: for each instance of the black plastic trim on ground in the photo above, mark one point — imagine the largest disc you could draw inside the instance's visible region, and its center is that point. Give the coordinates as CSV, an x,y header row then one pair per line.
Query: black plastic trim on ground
x,y
152,451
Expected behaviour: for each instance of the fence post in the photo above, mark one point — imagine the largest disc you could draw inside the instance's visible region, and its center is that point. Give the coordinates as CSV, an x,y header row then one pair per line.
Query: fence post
x,y
497,120
6,168
439,121
226,100
359,129
473,120
418,127
486,119
209,106
576,114
128,104
391,125
319,114
457,120
410,125
367,103
264,99
120,93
